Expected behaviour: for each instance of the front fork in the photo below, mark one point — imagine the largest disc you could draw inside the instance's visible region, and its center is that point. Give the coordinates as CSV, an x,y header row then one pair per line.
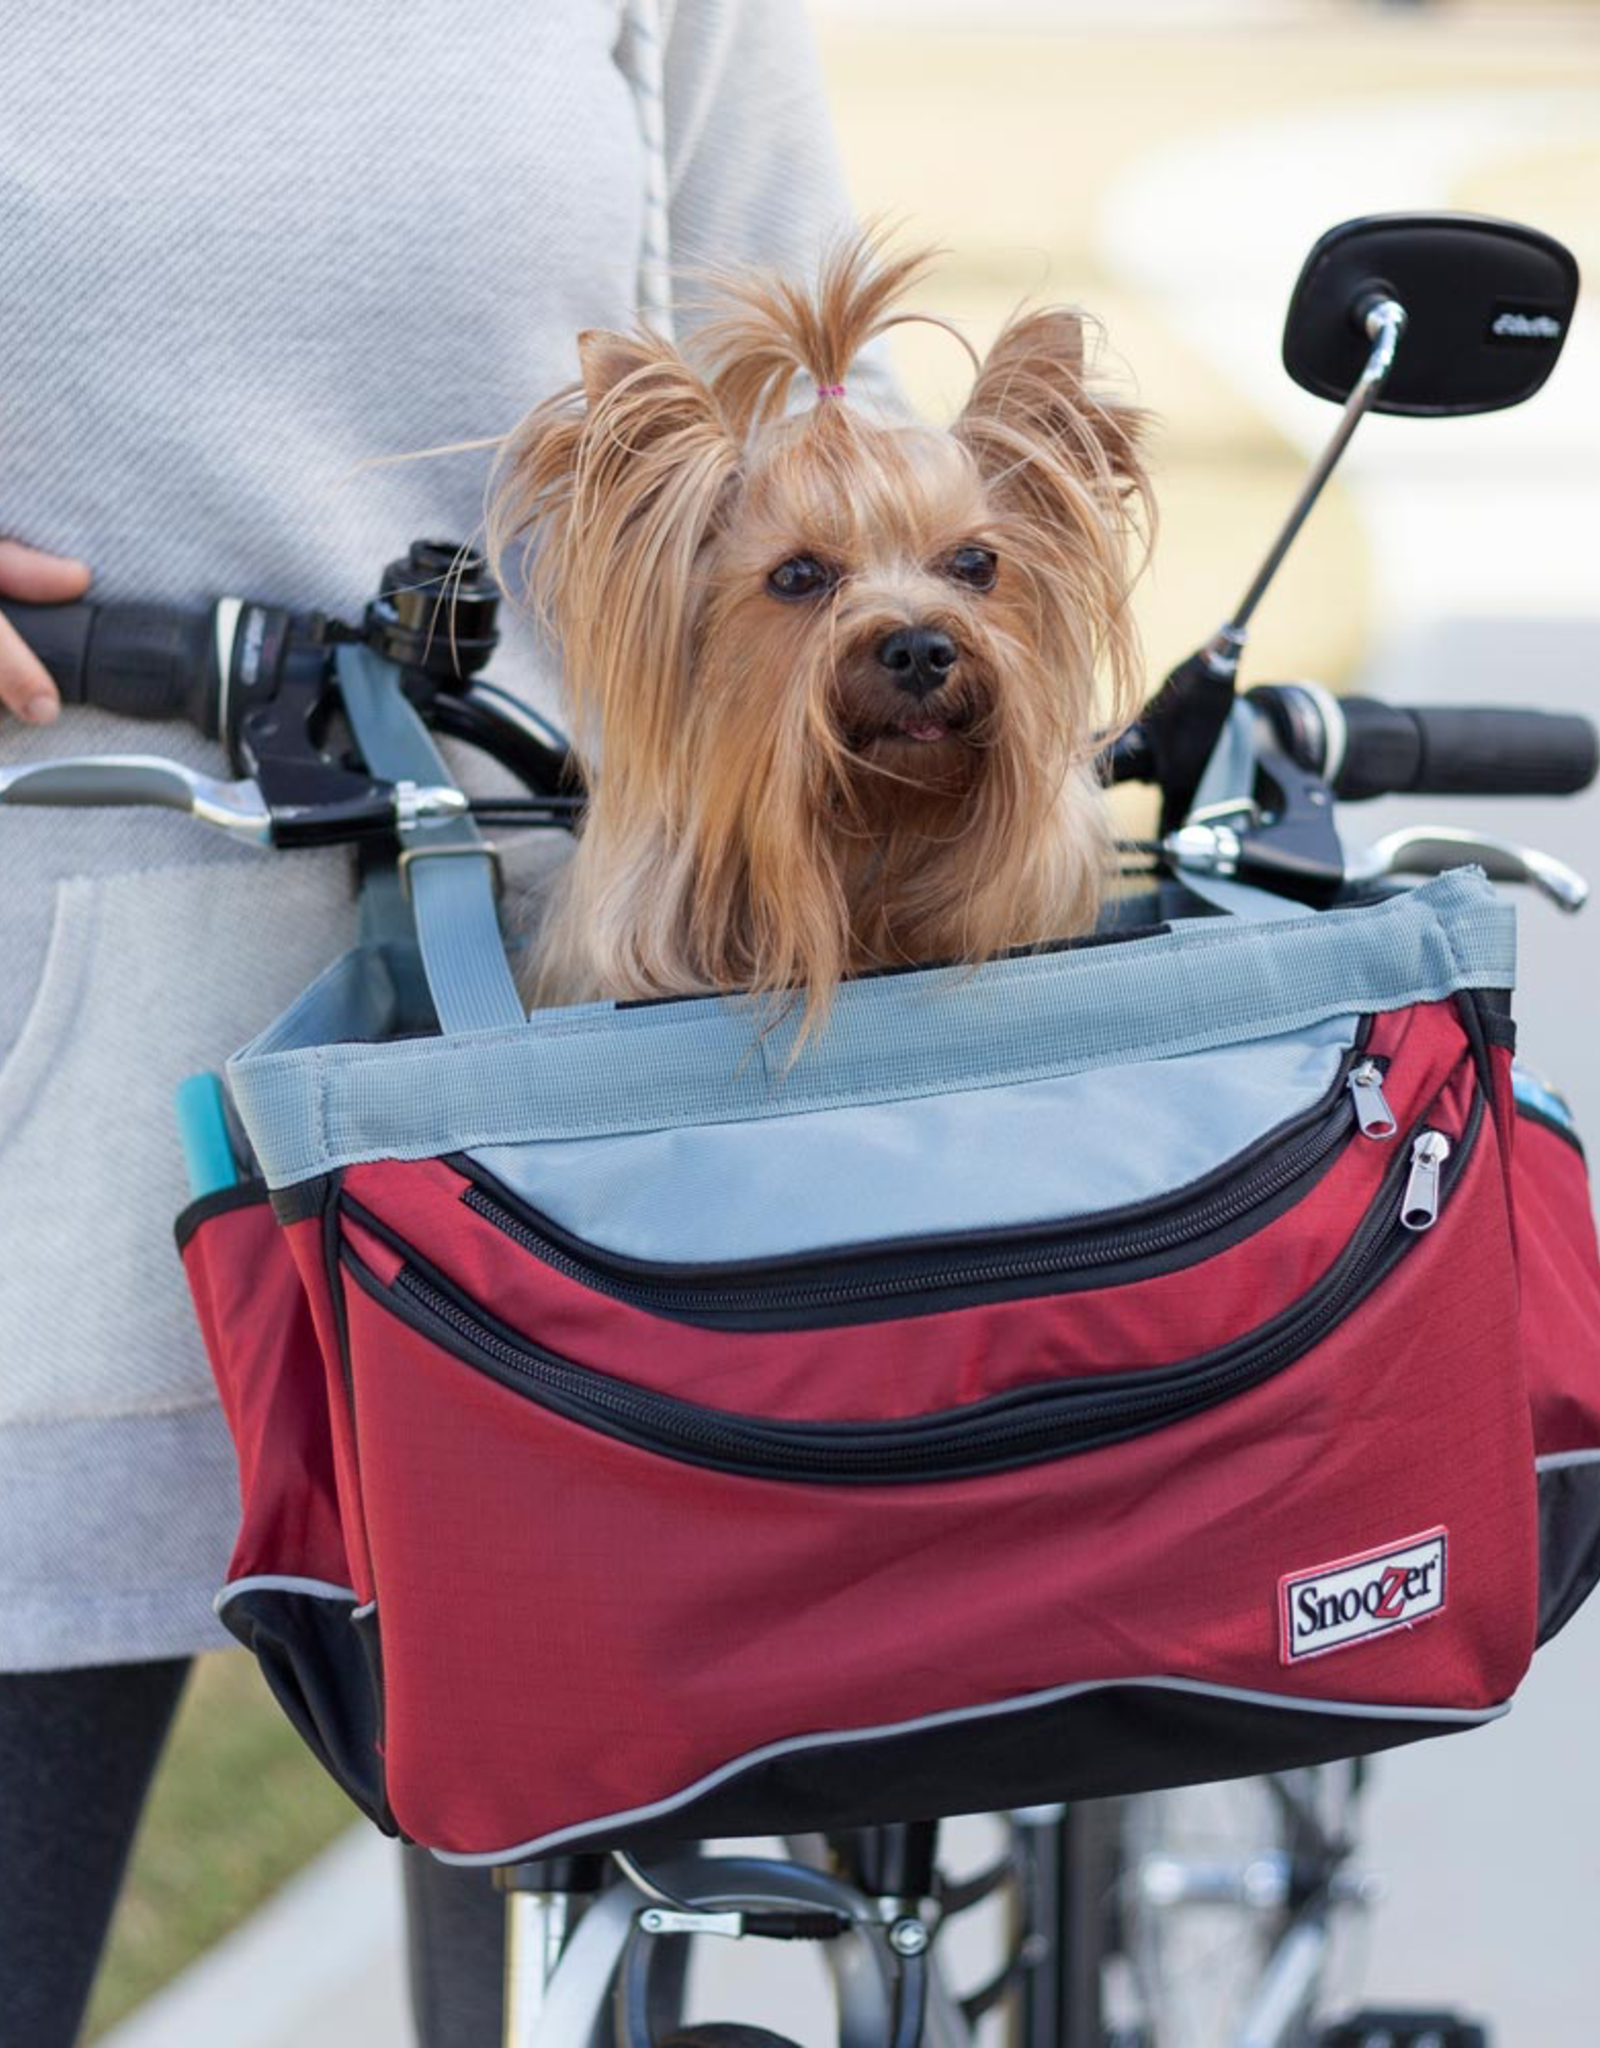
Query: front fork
x,y
1060,1925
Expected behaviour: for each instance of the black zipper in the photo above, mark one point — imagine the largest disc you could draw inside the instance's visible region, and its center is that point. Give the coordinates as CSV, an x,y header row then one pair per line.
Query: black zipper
x,y
756,1292
1027,1426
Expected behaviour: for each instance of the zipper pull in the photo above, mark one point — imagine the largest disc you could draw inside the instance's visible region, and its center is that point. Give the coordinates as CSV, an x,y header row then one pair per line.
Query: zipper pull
x,y
1373,1113
1420,1208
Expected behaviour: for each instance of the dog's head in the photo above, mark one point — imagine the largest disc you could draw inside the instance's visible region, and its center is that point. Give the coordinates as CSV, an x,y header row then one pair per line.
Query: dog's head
x,y
836,679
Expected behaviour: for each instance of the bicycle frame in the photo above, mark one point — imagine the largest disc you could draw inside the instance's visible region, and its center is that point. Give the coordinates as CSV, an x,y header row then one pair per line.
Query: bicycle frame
x,y
578,1973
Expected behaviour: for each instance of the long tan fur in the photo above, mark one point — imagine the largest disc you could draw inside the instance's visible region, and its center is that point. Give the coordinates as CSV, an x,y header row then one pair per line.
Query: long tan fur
x,y
767,811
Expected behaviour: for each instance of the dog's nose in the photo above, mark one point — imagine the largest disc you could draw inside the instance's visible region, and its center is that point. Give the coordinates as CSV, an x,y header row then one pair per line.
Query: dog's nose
x,y
918,657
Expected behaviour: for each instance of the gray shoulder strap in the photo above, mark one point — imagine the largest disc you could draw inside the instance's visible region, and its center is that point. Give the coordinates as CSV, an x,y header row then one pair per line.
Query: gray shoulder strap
x,y
1229,777
448,866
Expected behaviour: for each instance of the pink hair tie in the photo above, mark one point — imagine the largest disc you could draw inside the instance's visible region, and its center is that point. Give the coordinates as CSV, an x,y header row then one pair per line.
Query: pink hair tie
x,y
830,391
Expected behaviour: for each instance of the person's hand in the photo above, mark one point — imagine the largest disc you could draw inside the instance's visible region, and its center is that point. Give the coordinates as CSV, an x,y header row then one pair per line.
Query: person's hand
x,y
36,578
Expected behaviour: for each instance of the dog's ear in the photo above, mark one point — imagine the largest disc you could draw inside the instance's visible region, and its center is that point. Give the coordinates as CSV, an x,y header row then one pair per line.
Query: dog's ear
x,y
1032,408
1061,462
614,487
604,359
614,368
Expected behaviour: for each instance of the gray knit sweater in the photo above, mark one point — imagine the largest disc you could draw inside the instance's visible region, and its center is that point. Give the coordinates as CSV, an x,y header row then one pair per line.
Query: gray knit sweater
x,y
243,252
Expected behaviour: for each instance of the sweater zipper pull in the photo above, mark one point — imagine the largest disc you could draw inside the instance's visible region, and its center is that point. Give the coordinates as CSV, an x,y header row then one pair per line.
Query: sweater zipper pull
x,y
1373,1114
1420,1208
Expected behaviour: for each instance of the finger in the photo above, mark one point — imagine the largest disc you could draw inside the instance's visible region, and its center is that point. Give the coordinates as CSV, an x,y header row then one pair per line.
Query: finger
x,y
25,688
38,578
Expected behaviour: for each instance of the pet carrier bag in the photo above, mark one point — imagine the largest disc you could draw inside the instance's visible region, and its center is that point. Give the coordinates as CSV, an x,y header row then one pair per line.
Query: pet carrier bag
x,y
1162,1358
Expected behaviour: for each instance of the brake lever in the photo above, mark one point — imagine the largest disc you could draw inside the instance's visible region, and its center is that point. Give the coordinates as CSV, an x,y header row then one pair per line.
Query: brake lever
x,y
1431,849
1280,837
237,808
83,781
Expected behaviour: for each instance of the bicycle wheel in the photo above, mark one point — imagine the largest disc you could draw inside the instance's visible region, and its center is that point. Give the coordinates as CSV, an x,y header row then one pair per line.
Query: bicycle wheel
x,y
1209,1879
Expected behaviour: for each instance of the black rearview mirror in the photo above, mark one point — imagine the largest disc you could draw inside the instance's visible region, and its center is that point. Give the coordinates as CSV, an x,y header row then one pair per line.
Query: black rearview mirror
x,y
1487,306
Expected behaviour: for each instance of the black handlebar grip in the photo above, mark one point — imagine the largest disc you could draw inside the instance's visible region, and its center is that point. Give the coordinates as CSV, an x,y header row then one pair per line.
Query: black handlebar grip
x,y
142,660
1462,750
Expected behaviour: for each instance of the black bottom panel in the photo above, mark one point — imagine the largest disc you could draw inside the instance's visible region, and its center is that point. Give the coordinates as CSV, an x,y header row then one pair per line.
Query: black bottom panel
x,y
323,1670
1569,1542
1121,1739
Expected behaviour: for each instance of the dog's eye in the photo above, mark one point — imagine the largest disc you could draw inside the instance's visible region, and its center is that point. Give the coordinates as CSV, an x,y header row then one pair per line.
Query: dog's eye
x,y
801,576
976,567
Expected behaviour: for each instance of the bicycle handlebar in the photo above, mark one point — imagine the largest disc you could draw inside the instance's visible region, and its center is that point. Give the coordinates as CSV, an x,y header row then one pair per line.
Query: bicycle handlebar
x,y
157,662
141,660
1463,750
1364,748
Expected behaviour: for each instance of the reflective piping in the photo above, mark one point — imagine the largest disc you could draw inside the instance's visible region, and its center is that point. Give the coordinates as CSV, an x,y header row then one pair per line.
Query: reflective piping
x,y
272,1582
542,1845
1558,1461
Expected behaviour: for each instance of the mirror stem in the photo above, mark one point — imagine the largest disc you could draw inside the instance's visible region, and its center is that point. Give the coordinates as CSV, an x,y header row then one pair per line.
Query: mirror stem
x,y
1385,322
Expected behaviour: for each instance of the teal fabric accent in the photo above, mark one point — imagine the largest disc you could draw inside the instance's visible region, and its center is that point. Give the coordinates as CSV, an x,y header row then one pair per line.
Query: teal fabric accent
x,y
203,1133
451,870
1534,1092
311,1105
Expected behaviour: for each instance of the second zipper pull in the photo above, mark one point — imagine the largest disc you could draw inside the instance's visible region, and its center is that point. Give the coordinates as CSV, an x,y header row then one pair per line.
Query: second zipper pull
x,y
1419,1209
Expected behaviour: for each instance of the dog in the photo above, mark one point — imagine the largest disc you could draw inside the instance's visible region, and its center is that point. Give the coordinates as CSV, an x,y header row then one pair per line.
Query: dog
x,y
835,677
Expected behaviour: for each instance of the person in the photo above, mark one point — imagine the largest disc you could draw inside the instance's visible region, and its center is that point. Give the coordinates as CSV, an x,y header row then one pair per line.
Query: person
x,y
240,257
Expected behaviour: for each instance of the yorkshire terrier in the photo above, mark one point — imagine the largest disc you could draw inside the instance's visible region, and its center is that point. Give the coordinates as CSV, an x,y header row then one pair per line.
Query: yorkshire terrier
x,y
835,680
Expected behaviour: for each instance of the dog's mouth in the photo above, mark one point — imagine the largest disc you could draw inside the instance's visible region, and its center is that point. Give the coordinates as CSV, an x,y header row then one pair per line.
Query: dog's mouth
x,y
918,726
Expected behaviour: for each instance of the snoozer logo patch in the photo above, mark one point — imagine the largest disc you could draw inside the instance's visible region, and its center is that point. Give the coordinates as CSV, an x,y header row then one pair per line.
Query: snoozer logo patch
x,y
1354,1598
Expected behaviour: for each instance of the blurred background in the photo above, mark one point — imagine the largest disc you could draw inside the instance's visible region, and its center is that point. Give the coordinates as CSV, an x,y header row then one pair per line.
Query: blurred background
x,y
1165,164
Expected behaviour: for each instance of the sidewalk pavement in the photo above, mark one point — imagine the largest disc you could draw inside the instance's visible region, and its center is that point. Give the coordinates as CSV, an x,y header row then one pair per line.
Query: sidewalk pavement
x,y
319,1966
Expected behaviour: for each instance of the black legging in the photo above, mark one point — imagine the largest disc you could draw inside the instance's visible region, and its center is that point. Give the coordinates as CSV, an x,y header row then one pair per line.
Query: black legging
x,y
77,1752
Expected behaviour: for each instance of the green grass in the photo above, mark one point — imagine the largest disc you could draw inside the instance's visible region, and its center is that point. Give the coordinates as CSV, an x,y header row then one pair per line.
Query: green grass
x,y
237,1807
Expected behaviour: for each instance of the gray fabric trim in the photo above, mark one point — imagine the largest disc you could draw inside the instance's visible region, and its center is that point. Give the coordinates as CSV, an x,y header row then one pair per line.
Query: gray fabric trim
x,y
1559,1461
965,1159
541,1845
274,1582
593,1070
